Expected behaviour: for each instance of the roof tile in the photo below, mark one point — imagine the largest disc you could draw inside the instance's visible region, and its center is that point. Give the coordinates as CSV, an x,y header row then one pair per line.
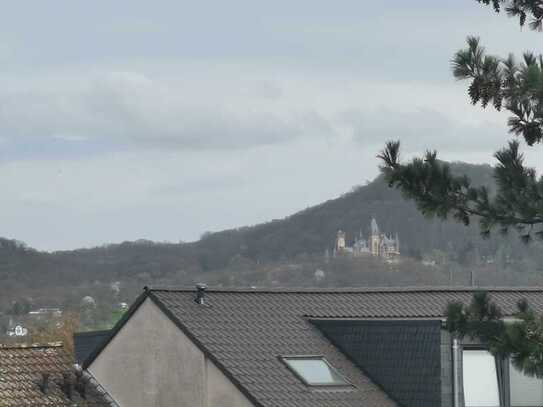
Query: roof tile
x,y
21,368
246,331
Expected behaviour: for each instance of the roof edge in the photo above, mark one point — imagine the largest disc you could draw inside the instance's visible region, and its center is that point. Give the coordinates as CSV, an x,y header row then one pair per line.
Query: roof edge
x,y
354,318
116,328
31,345
92,333
103,392
346,290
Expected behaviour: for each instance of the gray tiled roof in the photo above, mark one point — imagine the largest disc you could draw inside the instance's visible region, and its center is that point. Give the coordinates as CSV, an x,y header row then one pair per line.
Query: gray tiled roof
x,y
403,357
21,369
244,331
86,342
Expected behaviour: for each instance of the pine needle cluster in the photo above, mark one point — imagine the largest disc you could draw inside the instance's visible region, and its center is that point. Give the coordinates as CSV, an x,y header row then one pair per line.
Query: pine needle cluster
x,y
505,84
520,339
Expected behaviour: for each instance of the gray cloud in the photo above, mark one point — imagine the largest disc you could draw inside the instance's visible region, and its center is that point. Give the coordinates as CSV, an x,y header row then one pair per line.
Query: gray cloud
x,y
173,120
129,108
423,129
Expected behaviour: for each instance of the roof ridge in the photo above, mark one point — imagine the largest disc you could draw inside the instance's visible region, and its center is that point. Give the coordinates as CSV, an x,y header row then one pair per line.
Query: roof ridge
x,y
346,290
30,345
92,333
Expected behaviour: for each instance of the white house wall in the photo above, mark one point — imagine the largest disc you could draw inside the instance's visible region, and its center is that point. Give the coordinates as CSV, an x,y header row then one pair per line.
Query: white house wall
x,y
152,363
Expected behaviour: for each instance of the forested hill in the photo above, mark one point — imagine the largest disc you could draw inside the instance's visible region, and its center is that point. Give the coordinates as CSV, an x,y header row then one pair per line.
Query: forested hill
x,y
306,233
314,229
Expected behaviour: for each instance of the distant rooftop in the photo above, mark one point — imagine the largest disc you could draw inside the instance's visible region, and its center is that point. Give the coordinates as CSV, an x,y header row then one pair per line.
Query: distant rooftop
x,y
22,369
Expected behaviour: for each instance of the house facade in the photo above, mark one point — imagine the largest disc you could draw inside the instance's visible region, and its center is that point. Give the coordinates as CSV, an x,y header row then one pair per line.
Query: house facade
x,y
297,348
162,366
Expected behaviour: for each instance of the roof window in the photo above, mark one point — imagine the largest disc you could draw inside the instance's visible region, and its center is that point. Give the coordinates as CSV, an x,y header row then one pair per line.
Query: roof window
x,y
314,371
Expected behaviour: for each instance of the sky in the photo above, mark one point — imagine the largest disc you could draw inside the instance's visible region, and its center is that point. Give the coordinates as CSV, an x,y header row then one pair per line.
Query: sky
x,y
163,120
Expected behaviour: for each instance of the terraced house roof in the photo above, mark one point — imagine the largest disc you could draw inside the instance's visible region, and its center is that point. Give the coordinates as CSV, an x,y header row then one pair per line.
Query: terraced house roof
x,y
22,369
246,332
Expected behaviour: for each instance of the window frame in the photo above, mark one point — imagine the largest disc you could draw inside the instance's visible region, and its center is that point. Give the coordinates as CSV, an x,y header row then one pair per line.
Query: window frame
x,y
503,388
284,359
509,369
479,347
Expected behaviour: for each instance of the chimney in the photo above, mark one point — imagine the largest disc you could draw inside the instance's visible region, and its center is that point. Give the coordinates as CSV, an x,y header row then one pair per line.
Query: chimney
x,y
80,383
200,293
66,385
44,383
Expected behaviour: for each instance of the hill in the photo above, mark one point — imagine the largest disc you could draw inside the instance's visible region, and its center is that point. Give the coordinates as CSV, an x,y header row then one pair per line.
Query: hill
x,y
280,252
314,229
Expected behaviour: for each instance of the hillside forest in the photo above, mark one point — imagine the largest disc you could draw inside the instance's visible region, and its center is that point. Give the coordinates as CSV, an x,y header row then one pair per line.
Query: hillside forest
x,y
296,251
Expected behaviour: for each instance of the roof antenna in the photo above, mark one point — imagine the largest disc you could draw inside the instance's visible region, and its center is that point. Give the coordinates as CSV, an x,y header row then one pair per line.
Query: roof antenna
x,y
200,293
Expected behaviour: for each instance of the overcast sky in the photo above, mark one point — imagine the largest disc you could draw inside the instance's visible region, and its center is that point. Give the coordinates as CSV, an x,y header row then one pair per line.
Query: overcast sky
x,y
161,120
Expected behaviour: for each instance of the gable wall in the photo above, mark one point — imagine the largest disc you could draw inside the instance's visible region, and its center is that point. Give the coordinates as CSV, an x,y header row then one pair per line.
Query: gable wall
x,y
152,363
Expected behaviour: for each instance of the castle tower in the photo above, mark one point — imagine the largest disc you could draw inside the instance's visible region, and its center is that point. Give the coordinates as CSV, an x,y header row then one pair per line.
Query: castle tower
x,y
340,241
375,238
374,227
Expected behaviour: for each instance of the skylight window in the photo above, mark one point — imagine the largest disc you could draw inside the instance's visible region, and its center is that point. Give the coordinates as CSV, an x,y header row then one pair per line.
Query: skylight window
x,y
314,371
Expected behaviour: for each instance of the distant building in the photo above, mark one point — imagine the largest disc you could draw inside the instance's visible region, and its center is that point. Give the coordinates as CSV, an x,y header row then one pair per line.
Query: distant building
x,y
15,328
378,244
88,301
319,275
340,241
360,246
46,311
18,330
123,306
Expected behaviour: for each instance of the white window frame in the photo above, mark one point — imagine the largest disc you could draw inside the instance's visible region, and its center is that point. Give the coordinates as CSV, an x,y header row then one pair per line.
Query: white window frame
x,y
491,403
286,358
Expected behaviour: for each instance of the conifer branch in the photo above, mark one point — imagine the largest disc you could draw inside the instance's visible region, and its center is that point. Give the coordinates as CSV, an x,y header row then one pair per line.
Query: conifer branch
x,y
517,203
521,339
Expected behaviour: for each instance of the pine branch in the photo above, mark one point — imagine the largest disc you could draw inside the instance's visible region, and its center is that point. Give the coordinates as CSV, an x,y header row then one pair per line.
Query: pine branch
x,y
504,83
521,340
522,9
518,202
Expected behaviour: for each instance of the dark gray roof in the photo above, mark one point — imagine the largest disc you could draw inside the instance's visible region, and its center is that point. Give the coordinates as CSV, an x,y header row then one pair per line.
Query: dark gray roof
x,y
86,342
403,357
245,331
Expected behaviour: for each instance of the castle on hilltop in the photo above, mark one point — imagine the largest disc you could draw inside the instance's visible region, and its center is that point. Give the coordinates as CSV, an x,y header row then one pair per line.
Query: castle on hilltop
x,y
378,244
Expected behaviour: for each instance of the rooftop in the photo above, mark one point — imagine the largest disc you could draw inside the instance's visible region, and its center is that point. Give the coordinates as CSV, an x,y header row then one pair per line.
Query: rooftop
x,y
21,374
246,331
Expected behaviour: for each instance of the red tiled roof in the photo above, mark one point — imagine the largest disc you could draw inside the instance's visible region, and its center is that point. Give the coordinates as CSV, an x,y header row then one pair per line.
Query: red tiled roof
x,y
21,369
